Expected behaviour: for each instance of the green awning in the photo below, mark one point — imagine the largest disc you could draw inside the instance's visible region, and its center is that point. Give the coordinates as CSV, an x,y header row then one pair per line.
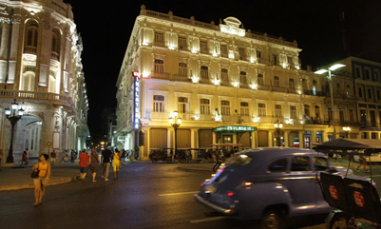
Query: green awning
x,y
234,129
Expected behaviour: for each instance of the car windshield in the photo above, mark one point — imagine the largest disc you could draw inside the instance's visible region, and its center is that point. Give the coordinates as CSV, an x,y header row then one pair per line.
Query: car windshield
x,y
241,159
320,163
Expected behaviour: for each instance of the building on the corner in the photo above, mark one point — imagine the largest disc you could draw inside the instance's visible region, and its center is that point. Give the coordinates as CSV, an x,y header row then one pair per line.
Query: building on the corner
x,y
228,84
367,89
41,69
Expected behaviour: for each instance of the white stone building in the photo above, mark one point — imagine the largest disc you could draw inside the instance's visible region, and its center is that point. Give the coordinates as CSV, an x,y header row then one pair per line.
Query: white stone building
x,y
40,68
219,76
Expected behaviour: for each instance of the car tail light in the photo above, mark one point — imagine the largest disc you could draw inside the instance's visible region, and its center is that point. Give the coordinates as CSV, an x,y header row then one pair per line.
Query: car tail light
x,y
230,194
248,183
202,185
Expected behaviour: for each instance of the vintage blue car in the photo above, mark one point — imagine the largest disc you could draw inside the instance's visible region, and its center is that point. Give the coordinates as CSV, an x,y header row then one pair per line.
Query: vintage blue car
x,y
268,184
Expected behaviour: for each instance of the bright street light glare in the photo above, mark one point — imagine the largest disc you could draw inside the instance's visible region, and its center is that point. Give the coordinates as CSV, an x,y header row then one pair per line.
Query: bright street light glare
x,y
336,66
321,71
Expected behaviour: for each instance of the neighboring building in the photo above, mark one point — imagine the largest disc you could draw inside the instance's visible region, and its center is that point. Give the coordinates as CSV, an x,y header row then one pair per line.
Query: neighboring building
x,y
217,76
40,68
367,79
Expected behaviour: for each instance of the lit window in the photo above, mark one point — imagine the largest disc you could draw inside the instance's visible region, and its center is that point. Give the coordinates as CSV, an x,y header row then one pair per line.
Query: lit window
x,y
261,110
204,107
225,108
244,109
158,103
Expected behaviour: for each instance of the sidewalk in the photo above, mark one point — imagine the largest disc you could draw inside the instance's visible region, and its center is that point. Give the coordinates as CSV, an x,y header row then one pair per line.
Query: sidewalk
x,y
19,178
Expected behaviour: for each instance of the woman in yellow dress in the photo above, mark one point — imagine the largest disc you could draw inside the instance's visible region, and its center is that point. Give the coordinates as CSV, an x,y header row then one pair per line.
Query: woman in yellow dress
x,y
116,163
43,177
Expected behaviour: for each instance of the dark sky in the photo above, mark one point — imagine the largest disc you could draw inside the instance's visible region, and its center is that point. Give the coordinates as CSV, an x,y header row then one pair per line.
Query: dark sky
x,y
317,25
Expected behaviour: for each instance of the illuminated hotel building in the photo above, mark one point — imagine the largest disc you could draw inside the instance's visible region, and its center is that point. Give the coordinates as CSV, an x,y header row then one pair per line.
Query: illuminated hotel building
x,y
219,76
40,68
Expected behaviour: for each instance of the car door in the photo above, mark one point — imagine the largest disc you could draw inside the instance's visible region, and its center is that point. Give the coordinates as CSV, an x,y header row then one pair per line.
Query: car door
x,y
302,185
320,165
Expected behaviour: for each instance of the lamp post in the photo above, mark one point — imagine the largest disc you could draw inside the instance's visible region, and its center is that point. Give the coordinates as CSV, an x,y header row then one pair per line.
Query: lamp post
x,y
13,118
346,129
329,77
277,127
175,123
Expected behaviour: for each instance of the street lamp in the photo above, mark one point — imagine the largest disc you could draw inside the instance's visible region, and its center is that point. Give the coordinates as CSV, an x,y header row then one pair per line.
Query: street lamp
x,y
346,129
175,123
329,77
277,127
13,118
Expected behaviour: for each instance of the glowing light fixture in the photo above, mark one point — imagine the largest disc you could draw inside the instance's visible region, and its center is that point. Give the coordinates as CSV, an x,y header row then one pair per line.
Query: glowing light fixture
x,y
256,119
235,84
253,86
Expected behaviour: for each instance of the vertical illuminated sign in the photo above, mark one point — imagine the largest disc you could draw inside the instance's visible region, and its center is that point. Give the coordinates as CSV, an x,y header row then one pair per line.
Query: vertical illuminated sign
x,y
136,112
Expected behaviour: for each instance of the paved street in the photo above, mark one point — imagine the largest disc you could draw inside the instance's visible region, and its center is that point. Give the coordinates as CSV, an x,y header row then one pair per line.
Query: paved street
x,y
145,196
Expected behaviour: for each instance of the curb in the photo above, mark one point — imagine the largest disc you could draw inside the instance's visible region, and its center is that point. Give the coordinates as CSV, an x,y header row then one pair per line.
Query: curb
x,y
195,170
29,186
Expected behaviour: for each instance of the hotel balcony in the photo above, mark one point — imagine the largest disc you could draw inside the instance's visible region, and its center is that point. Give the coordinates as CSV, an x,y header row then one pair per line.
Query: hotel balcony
x,y
56,99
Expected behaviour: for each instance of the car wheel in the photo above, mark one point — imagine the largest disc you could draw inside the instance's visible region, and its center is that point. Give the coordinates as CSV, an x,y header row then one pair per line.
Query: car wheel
x,y
339,221
272,220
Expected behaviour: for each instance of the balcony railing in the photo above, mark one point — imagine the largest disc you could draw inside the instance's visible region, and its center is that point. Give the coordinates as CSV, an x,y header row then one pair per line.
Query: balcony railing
x,y
159,43
178,77
316,93
160,75
30,49
370,124
62,99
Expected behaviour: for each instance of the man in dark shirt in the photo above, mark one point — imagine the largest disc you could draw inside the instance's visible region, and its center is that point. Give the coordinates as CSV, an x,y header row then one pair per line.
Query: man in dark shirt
x,y
106,156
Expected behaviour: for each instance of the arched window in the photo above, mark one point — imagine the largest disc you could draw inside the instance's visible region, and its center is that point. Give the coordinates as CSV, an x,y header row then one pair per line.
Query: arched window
x,y
52,84
55,45
317,112
204,72
224,75
27,81
204,106
158,103
276,81
182,105
291,83
225,107
242,76
244,109
261,110
314,83
31,38
260,79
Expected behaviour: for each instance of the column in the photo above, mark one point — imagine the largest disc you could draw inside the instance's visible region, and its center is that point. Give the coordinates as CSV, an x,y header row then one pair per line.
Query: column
x,y
254,139
286,138
324,136
301,139
47,133
146,144
194,137
271,138
170,133
214,138
313,138
234,138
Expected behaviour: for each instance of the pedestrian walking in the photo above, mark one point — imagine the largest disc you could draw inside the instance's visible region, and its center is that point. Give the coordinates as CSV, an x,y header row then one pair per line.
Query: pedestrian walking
x,y
116,163
53,156
25,157
106,157
94,165
42,179
72,156
362,163
84,160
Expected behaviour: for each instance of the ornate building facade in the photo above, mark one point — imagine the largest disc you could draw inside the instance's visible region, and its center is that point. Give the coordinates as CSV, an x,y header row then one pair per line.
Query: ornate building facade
x,y
227,84
41,69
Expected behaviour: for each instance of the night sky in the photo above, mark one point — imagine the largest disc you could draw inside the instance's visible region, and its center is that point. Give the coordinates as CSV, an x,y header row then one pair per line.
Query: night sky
x,y
316,25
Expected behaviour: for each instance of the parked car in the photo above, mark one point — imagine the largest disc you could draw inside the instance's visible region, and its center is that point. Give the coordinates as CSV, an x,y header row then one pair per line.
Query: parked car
x,y
268,184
